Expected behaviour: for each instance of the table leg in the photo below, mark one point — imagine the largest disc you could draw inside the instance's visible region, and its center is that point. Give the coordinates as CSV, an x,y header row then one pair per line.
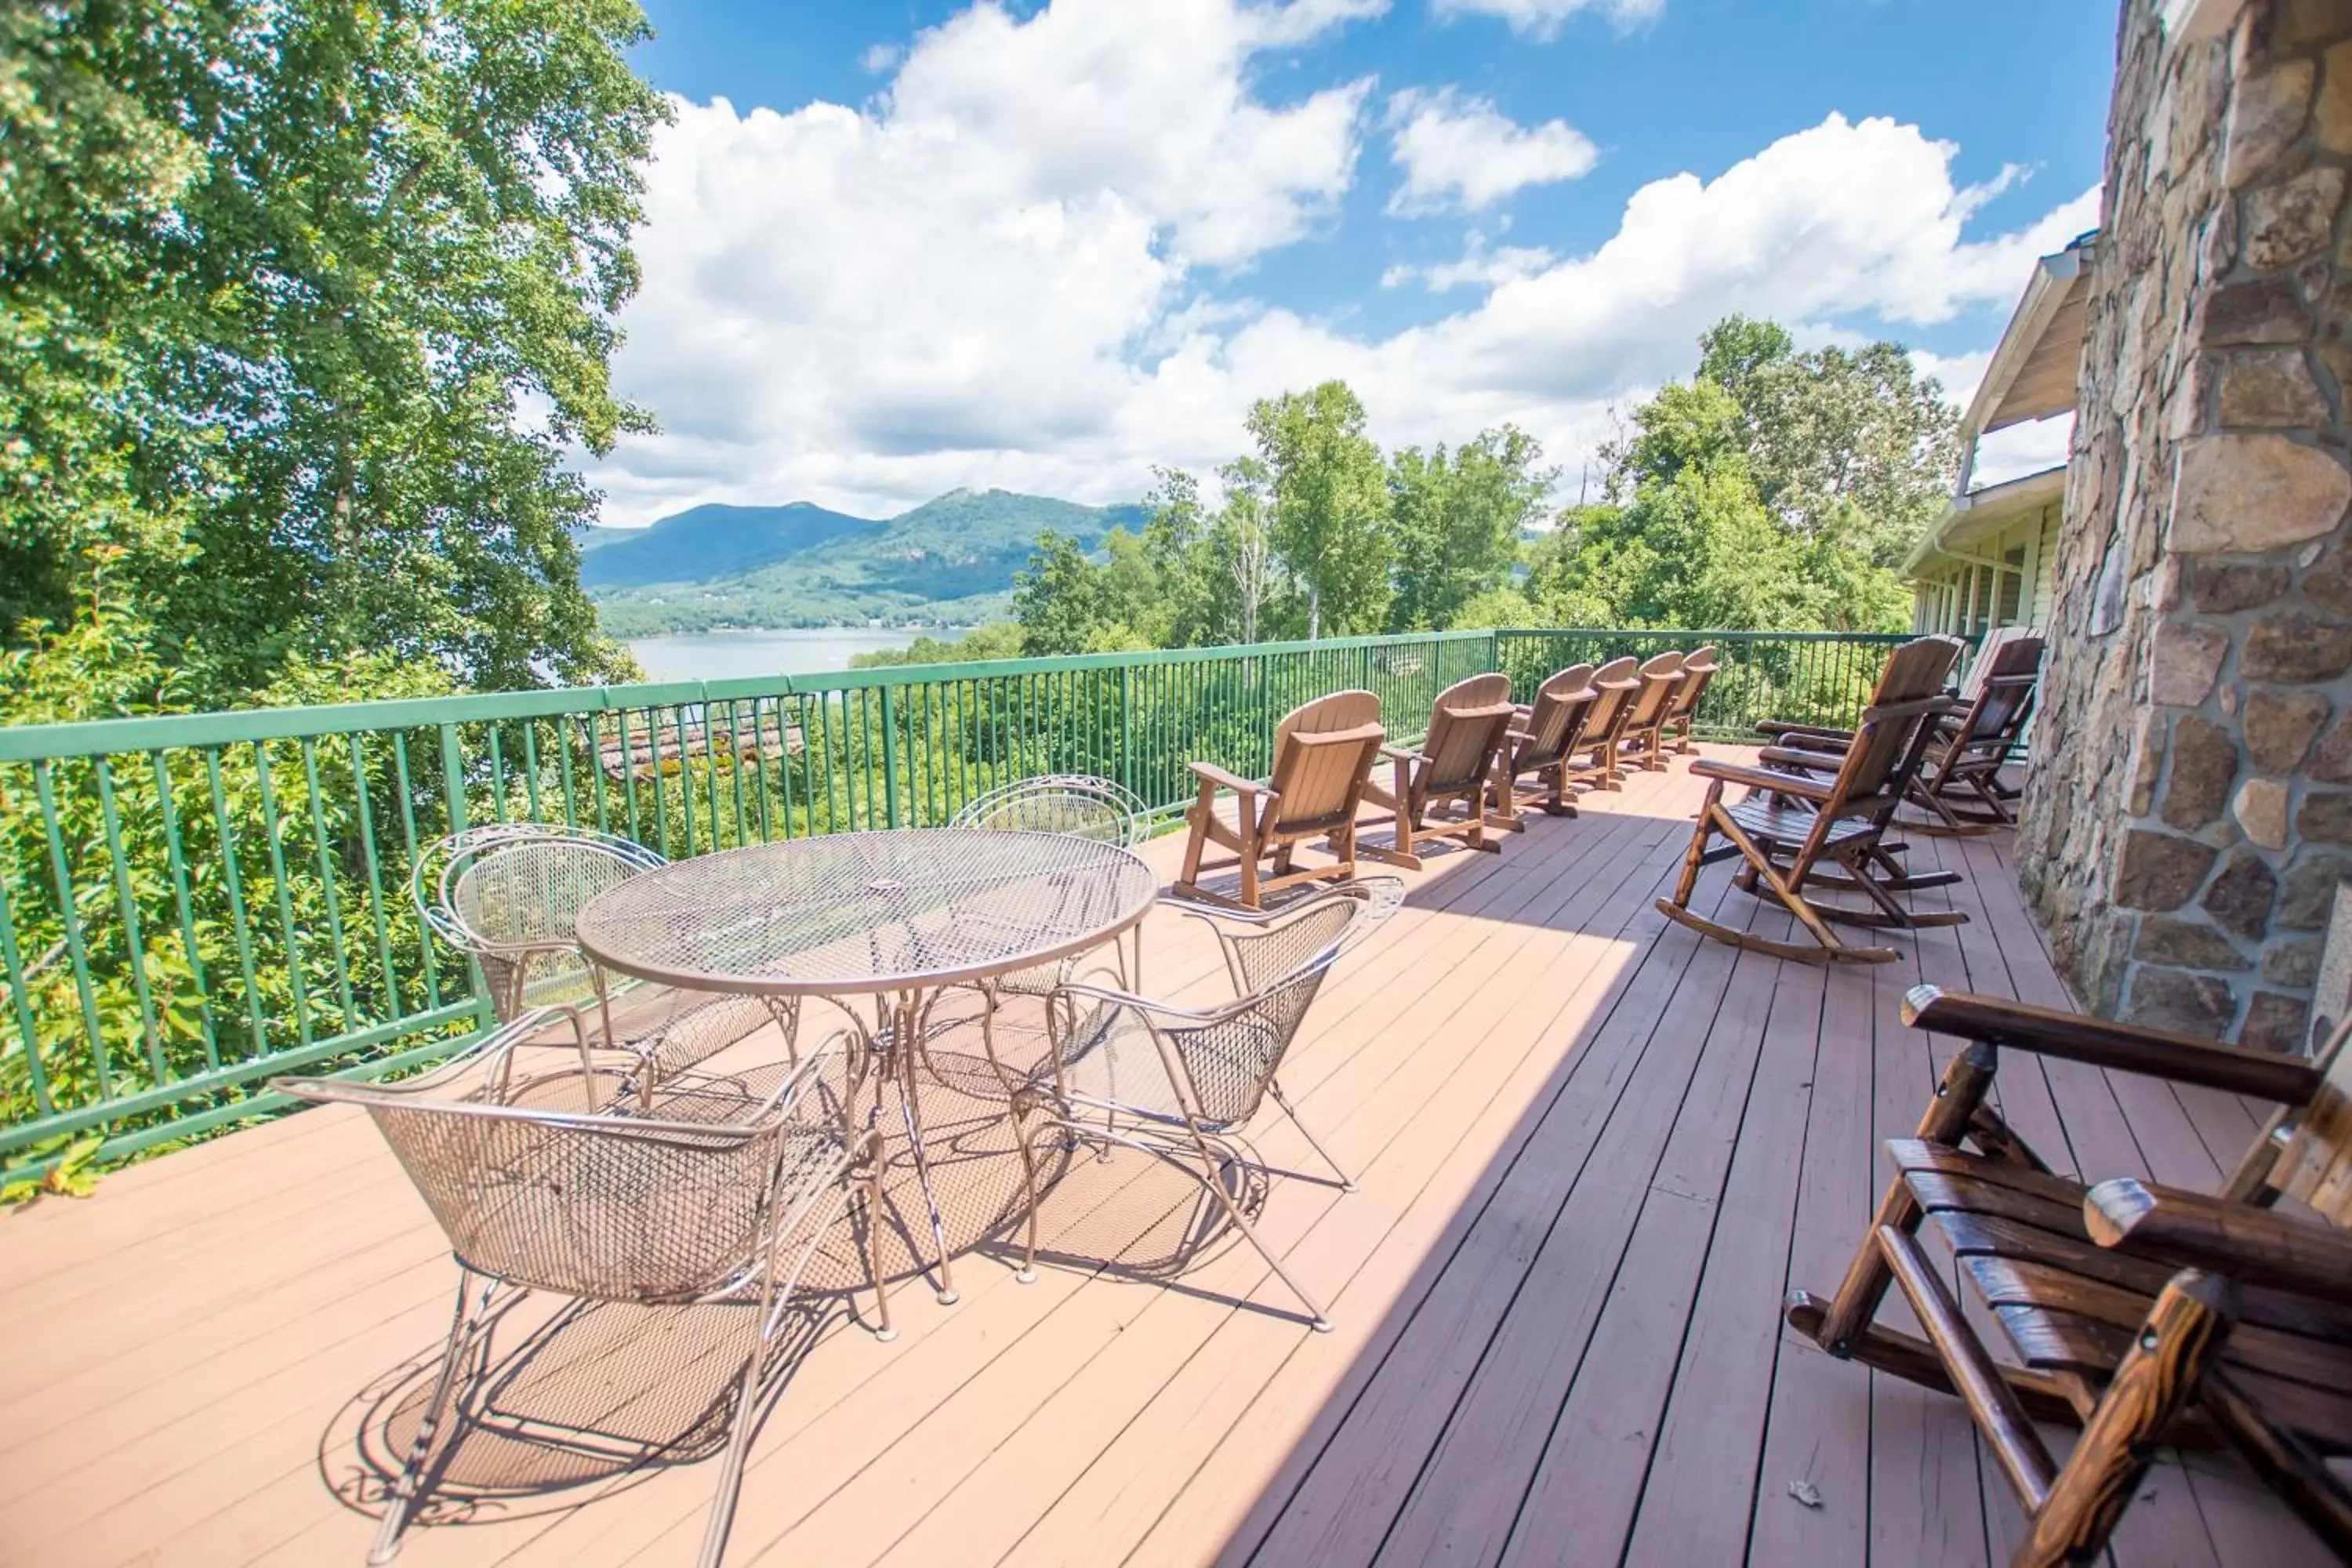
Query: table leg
x,y
904,1048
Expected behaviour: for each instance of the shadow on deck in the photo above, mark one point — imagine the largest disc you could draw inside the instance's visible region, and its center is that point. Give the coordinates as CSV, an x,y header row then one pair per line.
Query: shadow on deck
x,y
1594,1151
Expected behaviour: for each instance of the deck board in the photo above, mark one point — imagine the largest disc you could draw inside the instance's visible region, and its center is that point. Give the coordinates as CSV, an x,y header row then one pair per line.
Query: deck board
x,y
1593,1152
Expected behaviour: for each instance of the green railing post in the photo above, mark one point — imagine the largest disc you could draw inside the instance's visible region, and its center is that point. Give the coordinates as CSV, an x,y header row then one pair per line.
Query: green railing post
x,y
889,759
1127,725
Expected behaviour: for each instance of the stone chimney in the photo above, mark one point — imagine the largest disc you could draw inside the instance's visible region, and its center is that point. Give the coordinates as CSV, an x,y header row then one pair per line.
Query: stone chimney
x,y
2188,818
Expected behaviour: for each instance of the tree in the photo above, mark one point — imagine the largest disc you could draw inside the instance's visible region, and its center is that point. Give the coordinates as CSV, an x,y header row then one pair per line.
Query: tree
x,y
1241,546
1832,430
1061,601
324,294
1330,503
1457,522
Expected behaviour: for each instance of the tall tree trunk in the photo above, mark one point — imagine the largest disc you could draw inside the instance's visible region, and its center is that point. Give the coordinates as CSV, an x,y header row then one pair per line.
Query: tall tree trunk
x,y
1314,611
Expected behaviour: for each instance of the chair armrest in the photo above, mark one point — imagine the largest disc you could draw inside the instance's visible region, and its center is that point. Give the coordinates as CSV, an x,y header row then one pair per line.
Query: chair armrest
x,y
1828,746
1761,778
1817,732
1209,773
2256,1246
1400,755
1811,762
2126,1047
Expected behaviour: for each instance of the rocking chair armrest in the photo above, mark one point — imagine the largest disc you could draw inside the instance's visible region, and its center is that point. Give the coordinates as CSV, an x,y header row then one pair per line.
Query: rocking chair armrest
x,y
1798,784
2126,1047
1783,727
1812,762
2253,1245
1209,773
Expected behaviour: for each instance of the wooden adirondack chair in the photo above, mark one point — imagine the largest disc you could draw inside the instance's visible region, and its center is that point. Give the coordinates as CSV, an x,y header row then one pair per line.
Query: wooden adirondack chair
x,y
1640,741
2143,1314
1541,742
1699,669
1604,725
1469,726
1795,822
1959,784
1323,755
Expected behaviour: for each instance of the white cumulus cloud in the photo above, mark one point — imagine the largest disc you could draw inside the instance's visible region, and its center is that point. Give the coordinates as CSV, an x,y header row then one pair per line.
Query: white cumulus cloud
x,y
1544,18
1477,267
1025,264
1464,153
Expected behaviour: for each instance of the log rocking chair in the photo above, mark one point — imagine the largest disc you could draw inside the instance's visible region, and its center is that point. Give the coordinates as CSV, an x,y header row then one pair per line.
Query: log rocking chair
x,y
1959,786
1456,764
1797,828
1323,755
2142,1314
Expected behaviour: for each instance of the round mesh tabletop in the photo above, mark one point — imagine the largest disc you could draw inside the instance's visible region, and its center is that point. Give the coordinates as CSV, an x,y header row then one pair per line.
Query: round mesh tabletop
x,y
868,912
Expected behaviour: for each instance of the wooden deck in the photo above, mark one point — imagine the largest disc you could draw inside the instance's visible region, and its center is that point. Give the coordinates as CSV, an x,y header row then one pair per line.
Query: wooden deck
x,y
1593,1152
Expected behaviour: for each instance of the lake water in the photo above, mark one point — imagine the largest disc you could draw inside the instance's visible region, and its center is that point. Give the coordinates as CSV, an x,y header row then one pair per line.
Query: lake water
x,y
722,656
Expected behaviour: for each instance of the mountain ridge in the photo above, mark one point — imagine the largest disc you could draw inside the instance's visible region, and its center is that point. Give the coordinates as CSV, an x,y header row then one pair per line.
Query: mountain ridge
x,y
712,567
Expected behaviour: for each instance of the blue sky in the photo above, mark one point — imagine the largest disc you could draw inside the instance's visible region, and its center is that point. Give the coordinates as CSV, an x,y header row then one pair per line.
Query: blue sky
x,y
897,247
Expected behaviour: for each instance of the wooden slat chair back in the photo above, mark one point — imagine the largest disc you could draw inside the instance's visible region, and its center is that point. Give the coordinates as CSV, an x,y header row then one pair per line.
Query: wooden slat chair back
x,y
2143,1314
1459,762
1543,743
1798,827
1641,740
1323,755
1961,787
1699,669
1616,683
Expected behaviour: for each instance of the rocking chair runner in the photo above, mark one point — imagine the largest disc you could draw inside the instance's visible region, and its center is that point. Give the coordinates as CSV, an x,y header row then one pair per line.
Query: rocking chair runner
x,y
1642,741
1699,669
1469,727
2143,1314
1795,822
1546,736
1604,724
1323,753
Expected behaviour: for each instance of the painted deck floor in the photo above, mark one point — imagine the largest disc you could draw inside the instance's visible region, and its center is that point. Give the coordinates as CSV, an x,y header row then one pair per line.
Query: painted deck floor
x,y
1593,1152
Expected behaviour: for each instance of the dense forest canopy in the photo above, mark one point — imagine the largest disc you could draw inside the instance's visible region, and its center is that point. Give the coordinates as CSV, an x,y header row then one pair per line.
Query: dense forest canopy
x,y
1776,489
303,307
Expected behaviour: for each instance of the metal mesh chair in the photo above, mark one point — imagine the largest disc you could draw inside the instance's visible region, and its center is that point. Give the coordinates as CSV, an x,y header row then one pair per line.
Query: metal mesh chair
x,y
1165,1079
1080,804
508,895
723,1193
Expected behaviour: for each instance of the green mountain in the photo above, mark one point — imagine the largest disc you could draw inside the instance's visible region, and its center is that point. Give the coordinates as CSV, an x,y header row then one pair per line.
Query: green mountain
x,y
950,559
710,542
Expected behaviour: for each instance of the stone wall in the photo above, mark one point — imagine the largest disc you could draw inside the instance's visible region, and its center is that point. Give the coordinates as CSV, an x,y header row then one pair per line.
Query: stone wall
x,y
2186,823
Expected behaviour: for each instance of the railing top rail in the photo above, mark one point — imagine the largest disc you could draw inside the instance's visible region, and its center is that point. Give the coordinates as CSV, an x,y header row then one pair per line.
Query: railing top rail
x,y
41,743
1888,638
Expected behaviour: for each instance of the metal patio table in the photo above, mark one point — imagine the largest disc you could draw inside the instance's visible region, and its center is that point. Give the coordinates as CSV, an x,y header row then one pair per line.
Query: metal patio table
x,y
891,915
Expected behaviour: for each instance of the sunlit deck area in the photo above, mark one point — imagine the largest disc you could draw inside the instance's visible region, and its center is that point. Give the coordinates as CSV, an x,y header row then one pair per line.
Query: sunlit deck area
x,y
1593,1152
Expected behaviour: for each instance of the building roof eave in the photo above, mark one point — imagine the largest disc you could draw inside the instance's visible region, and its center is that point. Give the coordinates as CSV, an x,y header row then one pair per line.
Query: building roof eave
x,y
1985,510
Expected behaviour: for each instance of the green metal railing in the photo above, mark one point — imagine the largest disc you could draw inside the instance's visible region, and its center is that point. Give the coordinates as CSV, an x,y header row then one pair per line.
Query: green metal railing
x,y
189,905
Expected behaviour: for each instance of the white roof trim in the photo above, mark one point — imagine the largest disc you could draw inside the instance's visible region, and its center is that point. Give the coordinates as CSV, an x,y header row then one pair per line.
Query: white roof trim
x,y
2055,282
1987,508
